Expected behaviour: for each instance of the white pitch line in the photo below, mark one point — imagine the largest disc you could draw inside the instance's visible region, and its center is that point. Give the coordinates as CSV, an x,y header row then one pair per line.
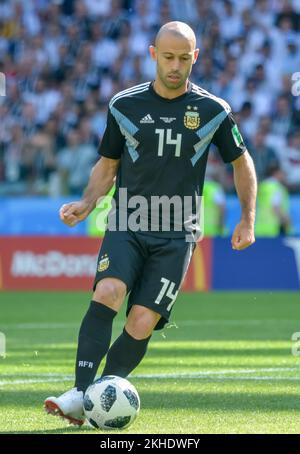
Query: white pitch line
x,y
38,375
33,381
31,326
183,323
166,375
216,377
213,375
220,373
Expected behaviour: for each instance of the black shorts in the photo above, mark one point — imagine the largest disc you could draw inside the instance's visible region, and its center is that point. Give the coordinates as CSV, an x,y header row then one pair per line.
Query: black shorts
x,y
152,268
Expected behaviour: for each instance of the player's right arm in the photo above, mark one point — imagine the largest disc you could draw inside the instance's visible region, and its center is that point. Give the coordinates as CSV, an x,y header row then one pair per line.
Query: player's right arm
x,y
100,182
102,176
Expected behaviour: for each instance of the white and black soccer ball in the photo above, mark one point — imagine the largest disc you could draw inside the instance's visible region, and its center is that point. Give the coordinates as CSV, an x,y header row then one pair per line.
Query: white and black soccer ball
x,y
111,402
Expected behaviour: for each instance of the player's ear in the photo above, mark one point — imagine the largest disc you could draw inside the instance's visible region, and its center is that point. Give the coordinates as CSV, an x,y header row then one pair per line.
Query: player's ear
x,y
196,54
152,50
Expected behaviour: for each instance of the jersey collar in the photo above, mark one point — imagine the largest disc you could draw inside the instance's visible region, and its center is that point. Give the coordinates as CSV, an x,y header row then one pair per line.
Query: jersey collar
x,y
178,98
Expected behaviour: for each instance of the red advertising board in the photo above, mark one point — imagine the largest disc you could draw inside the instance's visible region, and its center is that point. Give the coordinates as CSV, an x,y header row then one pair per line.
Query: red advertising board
x,y
69,263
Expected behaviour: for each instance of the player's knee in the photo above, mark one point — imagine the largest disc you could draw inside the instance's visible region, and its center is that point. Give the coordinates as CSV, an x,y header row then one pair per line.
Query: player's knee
x,y
110,292
141,322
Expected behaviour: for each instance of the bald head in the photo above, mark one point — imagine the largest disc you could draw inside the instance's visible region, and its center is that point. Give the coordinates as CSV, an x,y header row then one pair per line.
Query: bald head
x,y
175,53
178,30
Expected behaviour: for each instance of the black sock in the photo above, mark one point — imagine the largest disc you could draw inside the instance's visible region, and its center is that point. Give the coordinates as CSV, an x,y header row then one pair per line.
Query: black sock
x,y
124,355
93,343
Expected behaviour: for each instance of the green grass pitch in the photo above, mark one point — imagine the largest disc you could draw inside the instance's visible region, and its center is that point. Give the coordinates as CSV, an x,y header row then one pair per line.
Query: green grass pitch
x,y
224,366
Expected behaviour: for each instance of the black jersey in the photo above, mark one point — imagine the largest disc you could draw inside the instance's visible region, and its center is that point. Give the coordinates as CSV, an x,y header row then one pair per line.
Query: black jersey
x,y
163,143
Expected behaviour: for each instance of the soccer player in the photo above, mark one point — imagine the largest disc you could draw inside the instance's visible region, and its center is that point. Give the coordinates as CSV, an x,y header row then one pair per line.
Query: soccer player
x,y
156,143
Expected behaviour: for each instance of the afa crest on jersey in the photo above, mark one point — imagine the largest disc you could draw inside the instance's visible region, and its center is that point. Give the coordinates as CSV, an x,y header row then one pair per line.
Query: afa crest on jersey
x,y
191,118
103,263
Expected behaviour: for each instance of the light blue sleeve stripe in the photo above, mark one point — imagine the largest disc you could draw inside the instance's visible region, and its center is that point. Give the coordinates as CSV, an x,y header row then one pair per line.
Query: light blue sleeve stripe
x,y
123,121
206,133
212,124
128,129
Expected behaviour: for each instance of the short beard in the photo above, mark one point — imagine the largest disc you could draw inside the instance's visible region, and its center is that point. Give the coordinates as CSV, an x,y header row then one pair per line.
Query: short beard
x,y
172,85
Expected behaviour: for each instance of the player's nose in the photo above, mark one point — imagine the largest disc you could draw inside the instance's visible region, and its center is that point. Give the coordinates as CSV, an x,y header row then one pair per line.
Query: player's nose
x,y
175,65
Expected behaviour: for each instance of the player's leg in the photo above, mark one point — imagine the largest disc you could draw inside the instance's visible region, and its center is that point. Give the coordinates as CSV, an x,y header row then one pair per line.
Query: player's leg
x,y
96,329
93,343
130,347
119,264
150,303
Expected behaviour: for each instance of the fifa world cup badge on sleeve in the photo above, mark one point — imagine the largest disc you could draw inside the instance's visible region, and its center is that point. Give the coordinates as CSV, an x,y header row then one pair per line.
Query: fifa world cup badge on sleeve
x,y
191,118
103,263
236,135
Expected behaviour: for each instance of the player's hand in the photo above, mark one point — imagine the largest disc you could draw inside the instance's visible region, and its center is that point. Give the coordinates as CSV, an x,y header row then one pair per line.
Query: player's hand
x,y
74,212
243,236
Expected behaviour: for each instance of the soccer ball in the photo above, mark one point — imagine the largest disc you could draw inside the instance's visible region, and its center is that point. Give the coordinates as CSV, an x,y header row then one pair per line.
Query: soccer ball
x,y
111,402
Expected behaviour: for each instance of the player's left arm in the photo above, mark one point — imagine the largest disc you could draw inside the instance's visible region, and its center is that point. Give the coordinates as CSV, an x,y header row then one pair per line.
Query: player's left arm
x,y
233,149
246,187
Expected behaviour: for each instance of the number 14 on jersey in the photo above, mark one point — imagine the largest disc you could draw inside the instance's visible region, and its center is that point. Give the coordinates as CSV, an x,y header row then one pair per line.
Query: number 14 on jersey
x,y
167,139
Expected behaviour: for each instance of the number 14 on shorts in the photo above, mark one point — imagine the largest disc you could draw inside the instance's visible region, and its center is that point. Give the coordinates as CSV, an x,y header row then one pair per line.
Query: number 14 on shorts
x,y
167,290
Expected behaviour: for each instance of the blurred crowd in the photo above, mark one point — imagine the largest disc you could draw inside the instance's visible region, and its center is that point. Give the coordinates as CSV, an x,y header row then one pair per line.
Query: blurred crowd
x,y
64,59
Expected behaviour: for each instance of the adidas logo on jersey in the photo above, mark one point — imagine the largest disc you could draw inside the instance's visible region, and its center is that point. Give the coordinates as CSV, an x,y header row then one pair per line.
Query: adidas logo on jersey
x,y
147,119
